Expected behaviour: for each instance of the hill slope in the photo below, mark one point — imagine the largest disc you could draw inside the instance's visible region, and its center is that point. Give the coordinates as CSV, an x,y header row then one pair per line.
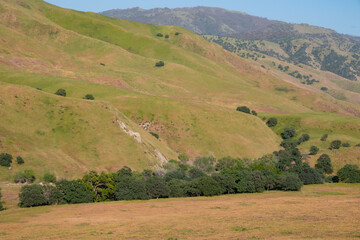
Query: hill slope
x,y
190,102
317,47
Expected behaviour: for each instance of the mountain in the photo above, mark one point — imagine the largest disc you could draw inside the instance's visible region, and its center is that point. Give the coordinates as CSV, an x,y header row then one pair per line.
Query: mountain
x,y
189,102
317,47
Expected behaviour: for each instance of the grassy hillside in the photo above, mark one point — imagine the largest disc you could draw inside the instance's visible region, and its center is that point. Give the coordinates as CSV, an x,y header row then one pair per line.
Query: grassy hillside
x,y
190,102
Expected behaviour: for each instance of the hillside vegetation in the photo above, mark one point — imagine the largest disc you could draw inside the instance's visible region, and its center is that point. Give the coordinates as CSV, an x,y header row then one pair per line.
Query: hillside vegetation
x,y
189,102
313,46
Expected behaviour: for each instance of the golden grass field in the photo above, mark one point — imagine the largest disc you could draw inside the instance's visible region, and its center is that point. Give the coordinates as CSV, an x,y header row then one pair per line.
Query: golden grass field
x,y
329,211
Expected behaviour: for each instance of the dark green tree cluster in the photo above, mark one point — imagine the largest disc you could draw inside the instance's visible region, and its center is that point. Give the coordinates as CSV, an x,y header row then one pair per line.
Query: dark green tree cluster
x,y
272,122
247,110
61,92
349,173
5,159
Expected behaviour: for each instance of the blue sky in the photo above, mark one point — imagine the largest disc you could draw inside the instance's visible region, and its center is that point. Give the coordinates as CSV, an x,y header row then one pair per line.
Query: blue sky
x,y
340,15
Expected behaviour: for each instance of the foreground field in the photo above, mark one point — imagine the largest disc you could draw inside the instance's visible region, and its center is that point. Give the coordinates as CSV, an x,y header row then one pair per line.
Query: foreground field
x,y
328,211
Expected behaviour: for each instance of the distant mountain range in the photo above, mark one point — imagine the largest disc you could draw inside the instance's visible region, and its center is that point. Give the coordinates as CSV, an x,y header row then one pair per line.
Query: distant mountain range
x,y
238,32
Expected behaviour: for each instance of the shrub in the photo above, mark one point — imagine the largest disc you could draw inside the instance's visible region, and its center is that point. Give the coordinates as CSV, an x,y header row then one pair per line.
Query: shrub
x,y
167,36
335,144
177,174
324,137
305,137
19,160
159,35
32,196
27,176
253,112
324,164
183,158
157,188
159,64
314,150
345,144
207,186
243,109
272,122
229,164
349,173
61,92
288,133
155,135
74,192
89,97
289,182
49,178
5,159
323,88
177,33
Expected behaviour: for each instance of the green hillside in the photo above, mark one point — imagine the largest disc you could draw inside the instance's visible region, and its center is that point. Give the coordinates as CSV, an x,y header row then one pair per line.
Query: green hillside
x,y
190,102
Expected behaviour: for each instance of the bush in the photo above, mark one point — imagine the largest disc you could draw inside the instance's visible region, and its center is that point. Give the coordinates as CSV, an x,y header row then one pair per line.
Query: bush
x,y
323,88
74,192
159,64
20,160
5,159
32,196
253,112
314,150
324,137
159,35
289,182
335,144
157,188
27,176
324,164
349,173
155,135
177,174
345,144
49,178
167,36
89,97
288,133
243,109
183,158
305,137
61,92
272,122
177,33
207,186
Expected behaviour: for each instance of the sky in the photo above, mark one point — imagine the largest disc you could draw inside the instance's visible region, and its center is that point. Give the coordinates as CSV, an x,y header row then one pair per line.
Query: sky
x,y
342,16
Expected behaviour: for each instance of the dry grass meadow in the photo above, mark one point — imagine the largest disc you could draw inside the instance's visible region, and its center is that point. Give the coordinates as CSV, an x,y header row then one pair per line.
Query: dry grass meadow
x,y
330,211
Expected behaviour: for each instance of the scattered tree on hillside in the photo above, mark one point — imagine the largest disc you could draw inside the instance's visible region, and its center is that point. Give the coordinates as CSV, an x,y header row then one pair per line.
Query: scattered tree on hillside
x,y
336,144
324,164
159,35
61,92
288,133
89,97
243,109
19,160
324,137
253,112
272,122
346,144
183,157
314,150
154,134
5,159
159,64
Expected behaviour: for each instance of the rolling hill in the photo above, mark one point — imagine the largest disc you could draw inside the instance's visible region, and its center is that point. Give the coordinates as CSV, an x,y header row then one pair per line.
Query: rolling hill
x,y
190,102
313,46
